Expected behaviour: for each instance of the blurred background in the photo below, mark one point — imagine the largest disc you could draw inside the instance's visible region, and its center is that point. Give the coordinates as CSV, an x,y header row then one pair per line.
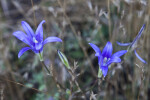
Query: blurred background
x,y
76,22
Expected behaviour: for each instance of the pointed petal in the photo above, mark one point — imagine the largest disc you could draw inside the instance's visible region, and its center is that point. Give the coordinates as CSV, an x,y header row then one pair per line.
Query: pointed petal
x,y
139,57
107,51
51,39
120,53
27,29
96,49
123,44
39,32
139,35
100,60
22,51
23,37
104,70
113,59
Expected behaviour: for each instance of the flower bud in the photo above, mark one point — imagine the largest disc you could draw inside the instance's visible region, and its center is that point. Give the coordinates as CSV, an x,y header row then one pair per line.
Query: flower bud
x,y
63,59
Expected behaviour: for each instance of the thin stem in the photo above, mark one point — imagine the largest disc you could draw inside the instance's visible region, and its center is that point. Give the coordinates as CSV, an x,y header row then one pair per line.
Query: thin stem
x,y
99,83
53,77
141,75
23,85
139,91
45,67
109,18
74,79
33,13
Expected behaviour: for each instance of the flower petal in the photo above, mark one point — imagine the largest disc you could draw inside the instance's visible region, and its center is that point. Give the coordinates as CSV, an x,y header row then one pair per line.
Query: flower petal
x,y
139,35
51,39
123,44
22,51
23,37
107,51
100,60
27,29
139,57
120,53
104,70
39,32
38,46
113,59
96,49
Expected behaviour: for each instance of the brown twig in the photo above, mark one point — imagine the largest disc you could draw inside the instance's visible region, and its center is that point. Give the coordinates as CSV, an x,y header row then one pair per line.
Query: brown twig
x,y
23,85
109,18
76,83
33,13
142,78
2,92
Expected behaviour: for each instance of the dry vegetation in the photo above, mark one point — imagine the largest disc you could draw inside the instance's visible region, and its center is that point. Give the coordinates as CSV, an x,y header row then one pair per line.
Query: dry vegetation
x,y
76,22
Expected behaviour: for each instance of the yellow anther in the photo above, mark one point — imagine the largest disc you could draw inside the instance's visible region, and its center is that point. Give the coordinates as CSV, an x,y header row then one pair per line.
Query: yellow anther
x,y
36,41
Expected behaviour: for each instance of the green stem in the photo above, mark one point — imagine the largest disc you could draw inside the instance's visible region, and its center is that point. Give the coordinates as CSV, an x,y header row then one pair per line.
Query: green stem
x,y
53,77
45,67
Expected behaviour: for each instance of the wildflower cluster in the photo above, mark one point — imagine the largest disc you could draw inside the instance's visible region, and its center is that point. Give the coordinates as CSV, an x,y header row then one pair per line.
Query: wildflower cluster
x,y
36,43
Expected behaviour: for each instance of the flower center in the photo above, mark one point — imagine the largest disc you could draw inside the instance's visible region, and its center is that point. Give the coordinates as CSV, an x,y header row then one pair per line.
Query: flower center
x,y
34,40
104,60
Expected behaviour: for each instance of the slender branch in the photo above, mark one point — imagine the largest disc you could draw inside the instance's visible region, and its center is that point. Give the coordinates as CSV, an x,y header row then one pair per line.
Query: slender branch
x,y
54,79
109,18
23,85
142,78
33,13
99,83
74,79
45,67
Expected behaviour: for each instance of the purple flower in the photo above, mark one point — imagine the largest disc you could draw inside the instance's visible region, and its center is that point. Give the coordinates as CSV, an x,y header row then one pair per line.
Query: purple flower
x,y
106,57
139,57
33,40
131,45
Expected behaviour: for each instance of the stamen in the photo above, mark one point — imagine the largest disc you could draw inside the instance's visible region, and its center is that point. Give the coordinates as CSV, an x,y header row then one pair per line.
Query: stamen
x,y
104,61
34,40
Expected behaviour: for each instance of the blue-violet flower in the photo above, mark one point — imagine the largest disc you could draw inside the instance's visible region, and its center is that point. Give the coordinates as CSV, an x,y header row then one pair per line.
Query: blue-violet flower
x,y
106,58
132,44
34,41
